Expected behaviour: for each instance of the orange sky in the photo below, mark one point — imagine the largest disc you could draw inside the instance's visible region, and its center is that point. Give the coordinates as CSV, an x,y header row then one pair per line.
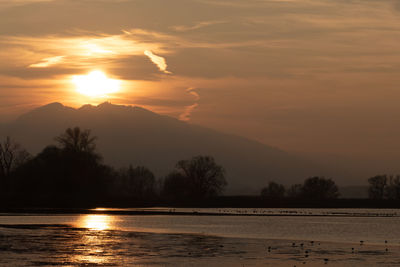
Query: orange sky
x,y
310,76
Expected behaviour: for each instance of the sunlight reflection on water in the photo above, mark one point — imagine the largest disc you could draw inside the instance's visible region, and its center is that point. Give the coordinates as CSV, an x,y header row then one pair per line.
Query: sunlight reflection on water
x,y
96,222
159,240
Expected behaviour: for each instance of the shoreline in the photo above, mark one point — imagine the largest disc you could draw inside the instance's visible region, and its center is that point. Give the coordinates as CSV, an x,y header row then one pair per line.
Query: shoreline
x,y
247,212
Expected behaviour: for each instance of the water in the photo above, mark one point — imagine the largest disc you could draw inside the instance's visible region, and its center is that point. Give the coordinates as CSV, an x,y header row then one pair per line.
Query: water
x,y
190,240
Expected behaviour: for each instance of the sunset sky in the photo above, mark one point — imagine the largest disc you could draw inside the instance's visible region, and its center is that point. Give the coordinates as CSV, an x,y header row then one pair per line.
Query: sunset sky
x,y
309,76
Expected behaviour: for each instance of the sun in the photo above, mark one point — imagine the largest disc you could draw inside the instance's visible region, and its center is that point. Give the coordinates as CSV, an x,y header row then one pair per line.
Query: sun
x,y
95,84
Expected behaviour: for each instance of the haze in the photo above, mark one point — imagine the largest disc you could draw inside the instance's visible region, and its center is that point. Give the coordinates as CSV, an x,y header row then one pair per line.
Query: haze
x,y
318,78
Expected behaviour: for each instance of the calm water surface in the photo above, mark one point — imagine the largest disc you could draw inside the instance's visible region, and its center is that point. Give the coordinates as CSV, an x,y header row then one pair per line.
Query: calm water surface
x,y
162,239
372,229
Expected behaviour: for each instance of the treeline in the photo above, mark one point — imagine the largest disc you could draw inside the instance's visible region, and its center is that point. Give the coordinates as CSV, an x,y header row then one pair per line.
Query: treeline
x,y
72,174
381,187
313,188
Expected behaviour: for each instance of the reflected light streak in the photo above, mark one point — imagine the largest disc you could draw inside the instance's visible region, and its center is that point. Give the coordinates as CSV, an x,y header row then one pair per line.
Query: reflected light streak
x,y
97,222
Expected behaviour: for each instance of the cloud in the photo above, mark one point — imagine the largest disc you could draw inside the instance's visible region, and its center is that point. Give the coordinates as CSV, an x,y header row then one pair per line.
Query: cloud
x,y
46,62
182,28
193,93
185,116
74,51
159,61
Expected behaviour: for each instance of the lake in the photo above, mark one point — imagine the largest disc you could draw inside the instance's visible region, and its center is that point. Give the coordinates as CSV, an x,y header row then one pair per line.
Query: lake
x,y
227,237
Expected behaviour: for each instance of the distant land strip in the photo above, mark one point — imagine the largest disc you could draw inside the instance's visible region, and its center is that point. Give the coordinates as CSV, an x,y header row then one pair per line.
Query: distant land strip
x,y
172,212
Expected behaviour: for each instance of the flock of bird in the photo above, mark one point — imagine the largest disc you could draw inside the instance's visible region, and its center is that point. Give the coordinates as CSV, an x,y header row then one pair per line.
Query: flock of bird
x,y
307,251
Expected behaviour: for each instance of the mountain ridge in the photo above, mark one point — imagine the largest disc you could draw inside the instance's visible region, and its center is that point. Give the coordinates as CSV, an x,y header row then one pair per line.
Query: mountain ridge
x,y
137,136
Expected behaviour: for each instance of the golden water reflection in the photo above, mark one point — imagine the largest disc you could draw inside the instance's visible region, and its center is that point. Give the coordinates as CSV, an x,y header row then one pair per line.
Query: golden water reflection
x,y
94,242
96,222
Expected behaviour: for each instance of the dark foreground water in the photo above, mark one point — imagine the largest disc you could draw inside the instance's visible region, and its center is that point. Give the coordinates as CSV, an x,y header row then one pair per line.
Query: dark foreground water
x,y
304,238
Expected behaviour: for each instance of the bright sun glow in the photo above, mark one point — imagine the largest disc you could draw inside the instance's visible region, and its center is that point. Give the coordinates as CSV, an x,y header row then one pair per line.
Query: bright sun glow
x,y
97,222
95,84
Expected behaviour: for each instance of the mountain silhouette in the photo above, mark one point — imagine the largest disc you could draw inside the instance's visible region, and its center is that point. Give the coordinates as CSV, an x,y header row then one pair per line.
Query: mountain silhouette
x,y
134,135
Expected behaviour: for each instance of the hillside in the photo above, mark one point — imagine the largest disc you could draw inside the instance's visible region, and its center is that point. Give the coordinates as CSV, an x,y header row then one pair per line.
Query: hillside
x,y
133,135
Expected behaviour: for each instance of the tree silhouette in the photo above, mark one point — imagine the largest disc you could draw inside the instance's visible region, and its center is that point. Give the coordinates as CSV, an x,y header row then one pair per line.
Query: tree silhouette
x,y
319,188
377,186
295,191
68,175
392,190
197,178
76,139
273,191
11,156
64,177
138,183
177,187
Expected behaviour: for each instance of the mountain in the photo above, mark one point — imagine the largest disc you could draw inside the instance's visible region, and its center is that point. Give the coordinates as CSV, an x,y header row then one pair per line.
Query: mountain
x,y
134,135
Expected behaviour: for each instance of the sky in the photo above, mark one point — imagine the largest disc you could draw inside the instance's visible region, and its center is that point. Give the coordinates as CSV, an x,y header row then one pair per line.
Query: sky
x,y
317,77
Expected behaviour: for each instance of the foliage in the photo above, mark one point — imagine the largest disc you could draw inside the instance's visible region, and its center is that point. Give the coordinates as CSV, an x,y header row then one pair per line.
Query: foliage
x,y
273,191
377,185
295,191
77,140
319,188
392,190
176,186
64,175
70,173
138,183
384,187
198,178
73,174
11,156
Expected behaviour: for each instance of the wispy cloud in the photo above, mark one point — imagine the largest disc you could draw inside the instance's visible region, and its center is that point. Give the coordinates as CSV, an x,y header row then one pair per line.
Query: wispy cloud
x,y
192,91
185,116
182,28
46,62
47,51
159,61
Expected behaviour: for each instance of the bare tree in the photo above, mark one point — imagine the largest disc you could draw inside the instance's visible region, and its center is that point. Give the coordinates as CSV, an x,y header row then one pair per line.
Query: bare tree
x,y
377,186
392,189
138,182
206,176
77,140
197,178
11,156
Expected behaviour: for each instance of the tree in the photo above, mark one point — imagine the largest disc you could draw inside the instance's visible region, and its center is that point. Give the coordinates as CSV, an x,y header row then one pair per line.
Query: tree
x,y
197,178
63,177
377,186
319,188
392,190
76,139
295,191
273,191
176,187
138,182
11,156
69,175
